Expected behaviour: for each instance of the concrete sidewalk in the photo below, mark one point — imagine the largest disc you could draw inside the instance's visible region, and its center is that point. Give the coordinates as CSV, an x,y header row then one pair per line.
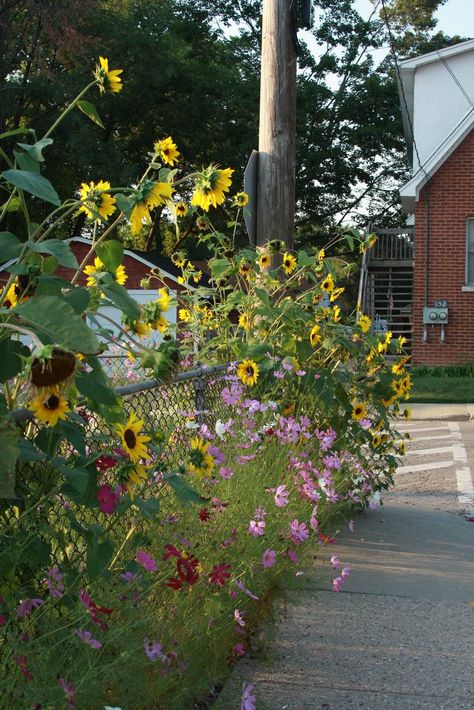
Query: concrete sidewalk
x,y
400,635
454,412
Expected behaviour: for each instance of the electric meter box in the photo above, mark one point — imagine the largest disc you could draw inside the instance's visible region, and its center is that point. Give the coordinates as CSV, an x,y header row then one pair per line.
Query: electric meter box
x,y
435,316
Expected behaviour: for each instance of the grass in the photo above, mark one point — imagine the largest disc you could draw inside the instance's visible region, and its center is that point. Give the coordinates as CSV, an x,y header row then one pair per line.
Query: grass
x,y
442,390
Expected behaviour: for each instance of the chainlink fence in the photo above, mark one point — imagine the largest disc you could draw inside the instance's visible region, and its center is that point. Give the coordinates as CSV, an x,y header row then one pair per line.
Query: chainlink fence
x,y
51,530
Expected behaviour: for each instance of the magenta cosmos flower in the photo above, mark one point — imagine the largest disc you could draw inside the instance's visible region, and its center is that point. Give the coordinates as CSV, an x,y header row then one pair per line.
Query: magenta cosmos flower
x,y
146,561
281,496
257,527
268,558
249,701
107,498
298,532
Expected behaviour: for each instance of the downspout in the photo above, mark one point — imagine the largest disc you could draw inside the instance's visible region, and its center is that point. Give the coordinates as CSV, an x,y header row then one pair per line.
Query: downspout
x,y
427,254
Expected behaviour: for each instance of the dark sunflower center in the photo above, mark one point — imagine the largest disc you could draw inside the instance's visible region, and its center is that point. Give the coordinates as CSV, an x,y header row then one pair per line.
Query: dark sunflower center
x,y
287,262
197,457
358,410
130,438
52,403
249,370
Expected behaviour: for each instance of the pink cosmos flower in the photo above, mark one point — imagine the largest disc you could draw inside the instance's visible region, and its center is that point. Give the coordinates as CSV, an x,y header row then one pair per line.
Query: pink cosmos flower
x,y
300,373
86,637
226,473
244,589
107,498
292,555
298,532
281,496
27,606
257,527
54,582
70,692
146,561
335,561
239,650
239,617
268,558
153,650
249,701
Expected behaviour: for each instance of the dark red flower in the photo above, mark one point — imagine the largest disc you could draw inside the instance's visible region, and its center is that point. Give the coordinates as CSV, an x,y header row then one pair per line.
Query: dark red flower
x,y
21,663
174,583
326,539
220,574
105,462
204,515
171,551
107,498
94,609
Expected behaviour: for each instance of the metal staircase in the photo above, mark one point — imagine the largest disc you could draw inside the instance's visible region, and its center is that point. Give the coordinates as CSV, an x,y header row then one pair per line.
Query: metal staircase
x,y
386,282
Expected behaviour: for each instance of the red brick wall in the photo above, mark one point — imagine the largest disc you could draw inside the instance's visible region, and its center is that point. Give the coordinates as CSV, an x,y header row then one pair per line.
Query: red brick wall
x,y
451,203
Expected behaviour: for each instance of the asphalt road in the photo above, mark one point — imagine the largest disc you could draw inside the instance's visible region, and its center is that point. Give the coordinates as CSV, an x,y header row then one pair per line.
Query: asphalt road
x,y
400,634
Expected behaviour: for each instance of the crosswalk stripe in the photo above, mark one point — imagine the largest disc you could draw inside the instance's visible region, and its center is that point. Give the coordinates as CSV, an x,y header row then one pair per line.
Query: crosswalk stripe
x,y
451,437
435,450
425,428
425,466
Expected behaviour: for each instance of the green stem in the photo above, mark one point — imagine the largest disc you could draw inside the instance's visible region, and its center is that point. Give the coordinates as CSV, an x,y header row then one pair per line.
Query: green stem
x,y
63,115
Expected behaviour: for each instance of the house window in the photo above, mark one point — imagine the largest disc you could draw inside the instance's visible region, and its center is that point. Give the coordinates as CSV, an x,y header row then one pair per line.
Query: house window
x,y
470,253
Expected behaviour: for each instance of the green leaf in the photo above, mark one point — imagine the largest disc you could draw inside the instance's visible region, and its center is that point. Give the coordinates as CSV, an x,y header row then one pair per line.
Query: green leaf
x,y
149,507
78,298
11,364
110,253
90,111
78,478
61,251
33,183
98,555
9,435
73,434
304,259
124,204
219,267
10,246
185,493
26,162
93,385
29,452
263,296
36,150
11,205
14,132
55,320
120,297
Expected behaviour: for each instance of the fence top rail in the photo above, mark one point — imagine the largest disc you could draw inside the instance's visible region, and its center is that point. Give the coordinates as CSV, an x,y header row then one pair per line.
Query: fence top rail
x,y
23,414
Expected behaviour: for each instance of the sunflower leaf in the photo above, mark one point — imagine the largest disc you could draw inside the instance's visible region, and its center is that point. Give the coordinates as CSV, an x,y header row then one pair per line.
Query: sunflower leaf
x,y
110,253
90,111
61,251
185,493
33,183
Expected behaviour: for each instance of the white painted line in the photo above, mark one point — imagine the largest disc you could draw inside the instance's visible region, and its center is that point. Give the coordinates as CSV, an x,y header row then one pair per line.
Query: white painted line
x,y
465,487
425,466
452,437
435,450
424,428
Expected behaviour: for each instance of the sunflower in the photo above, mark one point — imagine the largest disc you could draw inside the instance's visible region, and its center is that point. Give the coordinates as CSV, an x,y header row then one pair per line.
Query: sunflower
x,y
197,277
247,372
314,336
328,284
119,274
134,476
210,186
402,448
407,412
96,200
49,407
264,260
108,78
11,297
178,259
139,327
151,195
320,256
398,368
359,411
167,150
202,462
336,293
160,324
244,321
164,300
54,372
181,209
133,442
245,268
376,440
336,314
289,263
184,315
364,323
241,199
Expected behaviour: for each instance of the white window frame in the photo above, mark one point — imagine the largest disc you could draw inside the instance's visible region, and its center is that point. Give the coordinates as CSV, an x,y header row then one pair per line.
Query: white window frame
x,y
469,252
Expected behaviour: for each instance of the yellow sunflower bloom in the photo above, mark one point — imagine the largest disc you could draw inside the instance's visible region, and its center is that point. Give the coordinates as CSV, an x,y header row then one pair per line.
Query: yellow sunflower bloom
x,y
211,186
197,277
264,261
248,372
376,440
288,263
244,321
152,195
11,298
314,336
49,407
167,150
139,328
133,442
165,299
97,267
96,200
202,463
108,79
134,477
328,284
161,324
241,199
336,314
181,209
364,323
336,293
184,315
359,411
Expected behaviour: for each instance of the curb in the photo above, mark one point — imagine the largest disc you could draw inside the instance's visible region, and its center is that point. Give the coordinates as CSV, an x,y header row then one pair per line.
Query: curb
x,y
446,412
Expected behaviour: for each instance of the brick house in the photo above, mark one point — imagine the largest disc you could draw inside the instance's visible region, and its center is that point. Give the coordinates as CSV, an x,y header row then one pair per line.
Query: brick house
x,y
437,99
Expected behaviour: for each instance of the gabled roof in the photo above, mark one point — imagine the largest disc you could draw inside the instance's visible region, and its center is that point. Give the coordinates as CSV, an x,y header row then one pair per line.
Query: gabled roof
x,y
411,190
406,82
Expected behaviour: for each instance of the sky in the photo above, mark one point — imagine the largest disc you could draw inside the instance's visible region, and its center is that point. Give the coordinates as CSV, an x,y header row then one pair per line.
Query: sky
x,y
455,17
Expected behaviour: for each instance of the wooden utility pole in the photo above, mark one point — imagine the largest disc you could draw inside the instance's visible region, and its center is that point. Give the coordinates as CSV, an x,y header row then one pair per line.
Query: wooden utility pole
x,y
277,132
